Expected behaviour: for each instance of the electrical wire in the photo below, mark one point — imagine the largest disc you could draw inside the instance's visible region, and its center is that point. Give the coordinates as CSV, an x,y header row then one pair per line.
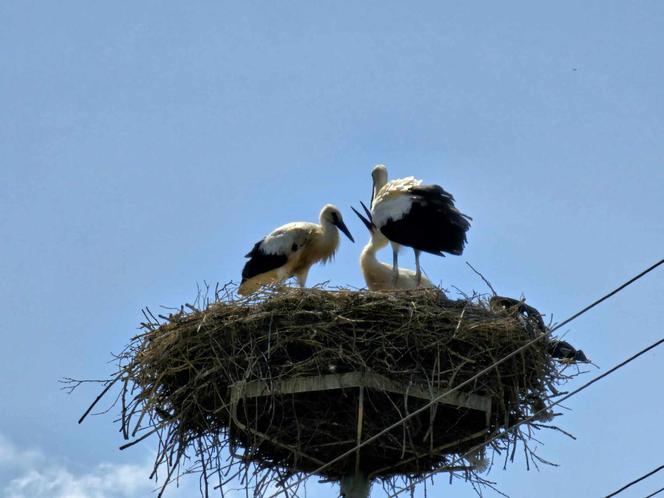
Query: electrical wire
x,y
539,412
655,493
628,485
475,377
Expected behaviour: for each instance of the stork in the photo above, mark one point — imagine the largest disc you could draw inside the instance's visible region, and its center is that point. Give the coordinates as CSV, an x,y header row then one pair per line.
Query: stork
x,y
534,323
292,249
422,217
377,275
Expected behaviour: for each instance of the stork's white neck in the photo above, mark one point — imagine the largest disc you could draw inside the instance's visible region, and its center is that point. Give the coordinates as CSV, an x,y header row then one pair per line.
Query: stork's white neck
x,y
368,261
329,239
328,227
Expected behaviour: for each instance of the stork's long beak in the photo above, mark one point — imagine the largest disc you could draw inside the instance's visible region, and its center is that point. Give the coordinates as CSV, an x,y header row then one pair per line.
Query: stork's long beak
x,y
370,226
368,213
342,226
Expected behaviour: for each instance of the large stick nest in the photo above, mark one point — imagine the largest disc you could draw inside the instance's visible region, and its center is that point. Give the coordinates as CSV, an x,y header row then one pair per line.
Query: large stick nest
x,y
188,378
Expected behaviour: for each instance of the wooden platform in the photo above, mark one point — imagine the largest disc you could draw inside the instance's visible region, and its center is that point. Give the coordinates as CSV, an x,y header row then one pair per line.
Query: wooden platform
x,y
361,400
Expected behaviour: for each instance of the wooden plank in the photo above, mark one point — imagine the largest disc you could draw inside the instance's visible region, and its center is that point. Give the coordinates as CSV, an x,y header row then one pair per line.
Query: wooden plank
x,y
369,380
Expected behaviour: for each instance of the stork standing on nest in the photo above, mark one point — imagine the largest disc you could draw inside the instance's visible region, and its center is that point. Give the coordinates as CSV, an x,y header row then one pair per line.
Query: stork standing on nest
x,y
292,249
377,275
423,217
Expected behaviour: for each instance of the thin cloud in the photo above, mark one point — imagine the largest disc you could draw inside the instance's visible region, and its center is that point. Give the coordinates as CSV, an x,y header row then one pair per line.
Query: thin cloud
x,y
32,474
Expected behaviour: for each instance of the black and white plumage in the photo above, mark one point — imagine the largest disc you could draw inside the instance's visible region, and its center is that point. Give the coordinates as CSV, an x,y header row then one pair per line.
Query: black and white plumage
x,y
291,250
422,217
378,275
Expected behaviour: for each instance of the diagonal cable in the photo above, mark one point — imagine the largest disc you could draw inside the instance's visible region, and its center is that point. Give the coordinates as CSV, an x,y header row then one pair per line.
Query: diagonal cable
x,y
655,493
475,377
630,484
482,372
537,414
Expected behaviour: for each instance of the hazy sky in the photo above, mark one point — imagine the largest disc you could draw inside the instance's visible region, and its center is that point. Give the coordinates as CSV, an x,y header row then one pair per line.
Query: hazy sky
x,y
144,147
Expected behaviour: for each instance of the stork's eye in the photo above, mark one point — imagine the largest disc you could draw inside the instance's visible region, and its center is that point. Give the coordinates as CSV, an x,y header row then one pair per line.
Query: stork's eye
x,y
335,217
294,247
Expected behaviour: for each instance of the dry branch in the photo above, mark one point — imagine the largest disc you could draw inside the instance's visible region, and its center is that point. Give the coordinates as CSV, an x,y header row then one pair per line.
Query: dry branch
x,y
268,387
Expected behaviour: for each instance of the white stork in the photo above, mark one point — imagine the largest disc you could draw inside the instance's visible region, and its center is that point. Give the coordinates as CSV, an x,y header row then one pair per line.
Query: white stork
x,y
292,249
419,216
377,275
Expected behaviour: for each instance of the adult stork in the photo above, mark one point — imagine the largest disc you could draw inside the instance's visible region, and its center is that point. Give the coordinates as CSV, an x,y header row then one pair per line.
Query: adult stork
x,y
292,249
377,275
422,217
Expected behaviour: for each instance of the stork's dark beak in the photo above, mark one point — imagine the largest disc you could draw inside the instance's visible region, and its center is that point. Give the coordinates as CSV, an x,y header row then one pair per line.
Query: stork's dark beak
x,y
370,226
342,226
368,213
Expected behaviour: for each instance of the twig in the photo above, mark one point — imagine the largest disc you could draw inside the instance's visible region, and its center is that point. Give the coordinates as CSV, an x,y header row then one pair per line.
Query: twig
x,y
482,277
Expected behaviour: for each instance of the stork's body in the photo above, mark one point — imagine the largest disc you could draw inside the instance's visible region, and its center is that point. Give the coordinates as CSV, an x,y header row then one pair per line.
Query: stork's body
x,y
423,217
291,250
379,276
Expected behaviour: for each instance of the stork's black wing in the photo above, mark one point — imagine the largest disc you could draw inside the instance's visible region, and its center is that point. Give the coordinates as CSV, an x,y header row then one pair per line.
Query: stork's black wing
x,y
563,350
433,223
260,262
534,323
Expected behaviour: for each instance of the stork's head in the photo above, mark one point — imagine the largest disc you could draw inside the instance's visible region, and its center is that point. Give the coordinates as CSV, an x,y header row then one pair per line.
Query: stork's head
x,y
330,214
379,177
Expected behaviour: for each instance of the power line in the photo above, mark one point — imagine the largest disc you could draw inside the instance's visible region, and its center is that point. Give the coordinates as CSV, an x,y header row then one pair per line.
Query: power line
x,y
537,413
655,493
607,296
476,376
636,481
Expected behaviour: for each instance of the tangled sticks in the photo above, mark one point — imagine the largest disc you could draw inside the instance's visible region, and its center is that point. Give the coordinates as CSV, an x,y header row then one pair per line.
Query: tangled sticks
x,y
291,378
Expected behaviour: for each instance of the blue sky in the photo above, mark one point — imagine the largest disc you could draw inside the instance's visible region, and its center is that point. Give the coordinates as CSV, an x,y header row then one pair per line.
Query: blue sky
x,y
146,147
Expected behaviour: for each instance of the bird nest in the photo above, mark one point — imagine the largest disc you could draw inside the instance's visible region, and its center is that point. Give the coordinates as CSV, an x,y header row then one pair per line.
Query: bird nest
x,y
272,387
